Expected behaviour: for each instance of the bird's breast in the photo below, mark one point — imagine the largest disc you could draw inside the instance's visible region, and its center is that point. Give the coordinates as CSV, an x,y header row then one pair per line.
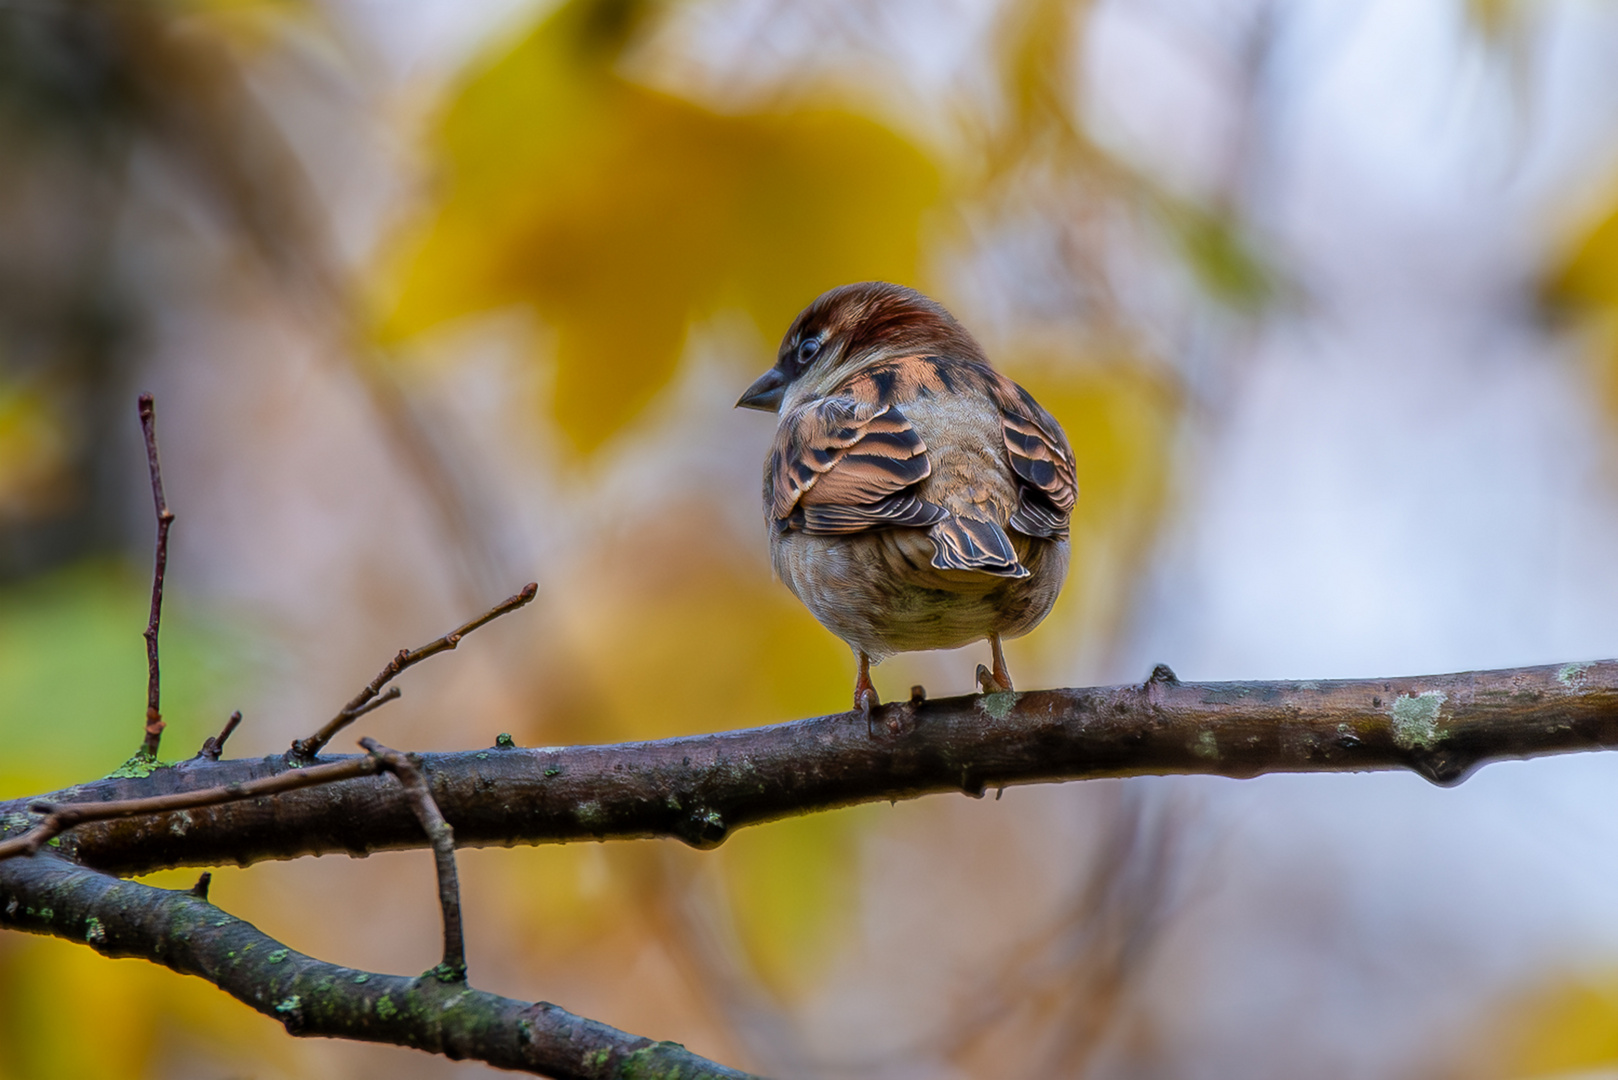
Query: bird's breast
x,y
879,591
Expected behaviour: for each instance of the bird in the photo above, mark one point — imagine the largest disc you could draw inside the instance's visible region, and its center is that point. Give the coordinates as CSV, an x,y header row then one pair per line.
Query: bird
x,y
915,497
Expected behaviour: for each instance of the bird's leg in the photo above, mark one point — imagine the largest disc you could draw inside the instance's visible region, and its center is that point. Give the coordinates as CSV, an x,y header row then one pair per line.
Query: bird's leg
x,y
1001,674
998,679
865,698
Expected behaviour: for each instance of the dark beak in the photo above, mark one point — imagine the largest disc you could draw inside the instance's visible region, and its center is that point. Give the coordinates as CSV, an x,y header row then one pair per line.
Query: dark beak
x,y
766,392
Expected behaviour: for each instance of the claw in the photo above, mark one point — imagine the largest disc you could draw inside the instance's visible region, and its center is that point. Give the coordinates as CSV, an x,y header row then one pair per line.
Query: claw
x,y
863,704
988,684
865,698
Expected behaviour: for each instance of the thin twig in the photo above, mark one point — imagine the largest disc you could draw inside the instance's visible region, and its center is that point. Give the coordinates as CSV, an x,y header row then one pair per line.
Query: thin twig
x,y
393,694
214,745
165,518
453,967
63,816
307,749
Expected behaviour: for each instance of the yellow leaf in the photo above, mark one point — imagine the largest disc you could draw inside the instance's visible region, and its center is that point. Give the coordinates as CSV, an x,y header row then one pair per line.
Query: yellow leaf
x,y
1589,276
791,889
1567,1026
36,454
619,214
1586,284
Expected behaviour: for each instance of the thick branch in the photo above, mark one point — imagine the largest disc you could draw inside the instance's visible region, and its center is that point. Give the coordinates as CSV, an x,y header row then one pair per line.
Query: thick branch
x,y
47,895
59,817
699,788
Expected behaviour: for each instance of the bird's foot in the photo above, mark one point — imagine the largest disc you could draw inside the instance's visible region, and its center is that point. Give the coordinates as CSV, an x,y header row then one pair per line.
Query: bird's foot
x,y
865,700
990,683
998,680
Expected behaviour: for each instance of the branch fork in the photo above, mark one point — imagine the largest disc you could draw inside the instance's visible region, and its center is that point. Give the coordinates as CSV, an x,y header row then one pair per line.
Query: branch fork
x,y
307,749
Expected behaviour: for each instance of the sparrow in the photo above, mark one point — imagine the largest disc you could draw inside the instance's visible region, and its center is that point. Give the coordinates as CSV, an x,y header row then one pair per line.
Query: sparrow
x,y
915,498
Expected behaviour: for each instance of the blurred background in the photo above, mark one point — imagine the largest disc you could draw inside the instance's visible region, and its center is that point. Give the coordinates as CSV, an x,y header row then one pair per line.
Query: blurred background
x,y
442,297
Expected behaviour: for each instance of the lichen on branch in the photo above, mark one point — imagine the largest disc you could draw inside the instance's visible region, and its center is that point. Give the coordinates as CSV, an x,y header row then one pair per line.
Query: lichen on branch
x,y
49,895
700,788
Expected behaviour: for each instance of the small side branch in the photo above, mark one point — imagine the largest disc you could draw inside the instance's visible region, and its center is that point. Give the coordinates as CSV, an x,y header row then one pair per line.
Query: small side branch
x,y
165,518
392,694
453,967
310,997
60,817
214,745
308,749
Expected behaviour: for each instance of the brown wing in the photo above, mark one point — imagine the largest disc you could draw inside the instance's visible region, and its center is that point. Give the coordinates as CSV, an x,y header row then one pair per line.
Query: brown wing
x,y
967,543
841,465
1042,461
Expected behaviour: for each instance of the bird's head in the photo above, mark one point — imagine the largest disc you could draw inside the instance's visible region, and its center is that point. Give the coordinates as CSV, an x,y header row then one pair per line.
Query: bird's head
x,y
851,327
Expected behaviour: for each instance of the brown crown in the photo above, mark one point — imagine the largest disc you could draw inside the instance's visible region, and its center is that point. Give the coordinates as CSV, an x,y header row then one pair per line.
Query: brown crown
x,y
877,318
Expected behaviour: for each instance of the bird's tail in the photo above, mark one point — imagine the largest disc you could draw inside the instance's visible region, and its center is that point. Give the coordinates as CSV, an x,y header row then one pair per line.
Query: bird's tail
x,y
965,543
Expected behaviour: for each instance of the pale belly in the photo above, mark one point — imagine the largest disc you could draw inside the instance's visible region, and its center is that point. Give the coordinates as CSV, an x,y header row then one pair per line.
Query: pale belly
x,y
879,593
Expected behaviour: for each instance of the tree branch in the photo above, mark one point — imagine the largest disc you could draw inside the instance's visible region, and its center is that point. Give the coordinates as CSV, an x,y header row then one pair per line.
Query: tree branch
x,y
699,788
305,750
165,518
214,745
62,816
48,895
453,967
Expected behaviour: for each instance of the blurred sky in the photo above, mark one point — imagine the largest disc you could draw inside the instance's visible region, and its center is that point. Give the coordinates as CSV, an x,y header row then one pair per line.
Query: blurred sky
x,y
1406,476
1278,267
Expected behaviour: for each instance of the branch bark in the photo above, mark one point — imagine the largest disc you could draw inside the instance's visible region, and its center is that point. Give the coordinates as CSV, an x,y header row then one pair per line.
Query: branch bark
x,y
48,895
58,817
700,788
453,967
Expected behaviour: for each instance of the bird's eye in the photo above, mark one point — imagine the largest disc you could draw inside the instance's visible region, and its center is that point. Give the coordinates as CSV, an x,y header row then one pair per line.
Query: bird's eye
x,y
807,349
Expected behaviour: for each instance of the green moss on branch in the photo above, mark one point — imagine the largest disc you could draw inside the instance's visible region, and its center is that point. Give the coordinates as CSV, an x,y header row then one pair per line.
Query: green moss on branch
x,y
49,895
